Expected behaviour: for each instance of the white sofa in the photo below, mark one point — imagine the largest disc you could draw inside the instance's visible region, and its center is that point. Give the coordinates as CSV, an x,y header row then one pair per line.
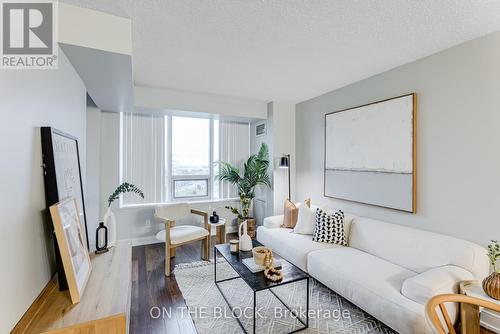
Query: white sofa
x,y
388,270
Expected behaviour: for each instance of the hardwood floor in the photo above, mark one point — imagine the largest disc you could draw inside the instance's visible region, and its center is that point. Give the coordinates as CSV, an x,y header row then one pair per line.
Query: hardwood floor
x,y
152,289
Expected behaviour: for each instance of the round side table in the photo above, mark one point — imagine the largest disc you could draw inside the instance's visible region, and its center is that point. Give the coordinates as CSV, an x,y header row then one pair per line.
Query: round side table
x,y
472,316
220,231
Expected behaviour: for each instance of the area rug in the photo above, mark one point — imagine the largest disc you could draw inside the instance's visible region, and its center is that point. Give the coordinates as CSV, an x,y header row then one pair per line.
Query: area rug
x,y
329,312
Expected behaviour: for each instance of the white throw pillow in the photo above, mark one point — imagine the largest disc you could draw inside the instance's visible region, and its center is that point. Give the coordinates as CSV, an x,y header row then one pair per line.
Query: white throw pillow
x,y
305,220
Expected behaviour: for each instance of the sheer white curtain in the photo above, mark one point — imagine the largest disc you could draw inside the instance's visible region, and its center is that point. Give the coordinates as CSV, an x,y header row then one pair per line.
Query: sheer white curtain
x,y
143,156
234,148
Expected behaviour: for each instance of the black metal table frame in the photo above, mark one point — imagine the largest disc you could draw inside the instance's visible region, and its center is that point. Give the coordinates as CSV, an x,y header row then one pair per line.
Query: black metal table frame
x,y
292,312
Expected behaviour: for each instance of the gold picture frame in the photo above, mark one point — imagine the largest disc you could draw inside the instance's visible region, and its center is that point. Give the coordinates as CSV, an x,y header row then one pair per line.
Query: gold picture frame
x,y
72,246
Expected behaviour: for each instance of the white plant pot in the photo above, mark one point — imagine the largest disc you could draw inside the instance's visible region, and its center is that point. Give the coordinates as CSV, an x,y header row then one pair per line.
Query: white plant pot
x,y
109,220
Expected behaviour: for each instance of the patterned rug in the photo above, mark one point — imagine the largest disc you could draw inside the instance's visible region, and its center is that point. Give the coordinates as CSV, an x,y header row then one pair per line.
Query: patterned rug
x,y
329,312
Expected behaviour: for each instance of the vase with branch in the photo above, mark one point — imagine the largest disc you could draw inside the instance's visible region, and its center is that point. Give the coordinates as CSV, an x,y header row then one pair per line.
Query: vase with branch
x,y
491,284
109,218
255,173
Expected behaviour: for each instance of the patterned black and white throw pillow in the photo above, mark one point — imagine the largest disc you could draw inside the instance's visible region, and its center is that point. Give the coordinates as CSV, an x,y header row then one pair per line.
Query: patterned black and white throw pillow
x,y
329,227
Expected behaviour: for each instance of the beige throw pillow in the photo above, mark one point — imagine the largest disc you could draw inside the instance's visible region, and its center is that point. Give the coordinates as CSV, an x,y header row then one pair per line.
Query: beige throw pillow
x,y
291,213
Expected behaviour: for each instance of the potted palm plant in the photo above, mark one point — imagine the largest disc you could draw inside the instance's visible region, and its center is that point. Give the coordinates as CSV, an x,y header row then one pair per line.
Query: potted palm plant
x,y
254,173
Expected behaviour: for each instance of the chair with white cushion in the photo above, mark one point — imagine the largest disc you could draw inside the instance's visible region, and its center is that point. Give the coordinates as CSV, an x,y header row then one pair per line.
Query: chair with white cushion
x,y
175,236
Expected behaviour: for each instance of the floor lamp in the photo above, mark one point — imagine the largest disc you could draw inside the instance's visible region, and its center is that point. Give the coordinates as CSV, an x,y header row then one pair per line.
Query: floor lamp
x,y
285,164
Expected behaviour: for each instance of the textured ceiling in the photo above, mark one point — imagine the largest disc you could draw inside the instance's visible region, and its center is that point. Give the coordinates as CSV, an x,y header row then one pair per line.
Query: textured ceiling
x,y
288,49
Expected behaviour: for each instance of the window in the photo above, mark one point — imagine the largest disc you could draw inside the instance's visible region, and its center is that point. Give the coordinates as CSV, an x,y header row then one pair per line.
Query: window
x,y
171,157
190,157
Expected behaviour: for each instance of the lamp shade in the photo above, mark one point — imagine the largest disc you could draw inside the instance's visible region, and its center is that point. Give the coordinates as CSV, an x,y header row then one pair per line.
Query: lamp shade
x,y
284,162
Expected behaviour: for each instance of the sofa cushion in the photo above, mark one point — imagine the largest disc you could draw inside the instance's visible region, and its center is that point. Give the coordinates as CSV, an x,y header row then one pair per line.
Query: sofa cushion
x,y
415,249
291,246
290,213
420,288
305,220
273,221
371,283
329,227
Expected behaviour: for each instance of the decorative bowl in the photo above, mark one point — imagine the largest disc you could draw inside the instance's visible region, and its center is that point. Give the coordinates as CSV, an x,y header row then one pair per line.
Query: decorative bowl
x,y
259,254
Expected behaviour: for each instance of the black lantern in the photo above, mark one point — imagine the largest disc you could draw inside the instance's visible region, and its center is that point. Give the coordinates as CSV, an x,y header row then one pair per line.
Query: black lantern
x,y
101,233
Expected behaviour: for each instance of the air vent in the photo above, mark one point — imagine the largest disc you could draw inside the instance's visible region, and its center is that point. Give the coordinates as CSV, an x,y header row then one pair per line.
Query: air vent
x,y
260,130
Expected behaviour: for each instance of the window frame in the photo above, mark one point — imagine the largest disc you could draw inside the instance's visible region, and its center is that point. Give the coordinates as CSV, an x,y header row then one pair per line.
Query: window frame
x,y
171,179
191,178
168,189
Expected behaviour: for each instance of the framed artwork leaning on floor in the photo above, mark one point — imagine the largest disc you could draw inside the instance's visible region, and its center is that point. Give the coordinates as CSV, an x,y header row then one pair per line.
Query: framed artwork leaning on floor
x,y
72,246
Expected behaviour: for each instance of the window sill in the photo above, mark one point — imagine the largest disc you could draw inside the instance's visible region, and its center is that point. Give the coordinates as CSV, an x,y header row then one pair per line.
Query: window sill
x,y
152,205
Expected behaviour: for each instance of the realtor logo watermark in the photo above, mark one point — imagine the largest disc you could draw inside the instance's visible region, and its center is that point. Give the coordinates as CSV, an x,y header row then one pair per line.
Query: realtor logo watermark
x,y
28,35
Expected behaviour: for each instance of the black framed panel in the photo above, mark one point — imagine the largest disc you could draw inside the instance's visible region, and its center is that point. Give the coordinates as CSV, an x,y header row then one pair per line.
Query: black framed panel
x,y
63,178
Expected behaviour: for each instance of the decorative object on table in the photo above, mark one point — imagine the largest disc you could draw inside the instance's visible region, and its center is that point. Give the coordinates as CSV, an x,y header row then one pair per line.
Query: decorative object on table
x,y
63,179
101,239
471,315
174,236
71,241
370,153
255,268
214,218
109,218
245,240
234,245
270,272
255,173
329,227
285,164
291,213
491,284
259,254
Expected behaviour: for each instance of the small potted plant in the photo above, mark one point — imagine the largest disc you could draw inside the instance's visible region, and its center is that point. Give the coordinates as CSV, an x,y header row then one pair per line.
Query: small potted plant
x,y
255,173
491,284
109,217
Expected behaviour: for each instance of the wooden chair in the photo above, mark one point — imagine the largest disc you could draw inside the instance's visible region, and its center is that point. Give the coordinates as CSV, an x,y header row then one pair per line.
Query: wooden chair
x,y
436,322
175,236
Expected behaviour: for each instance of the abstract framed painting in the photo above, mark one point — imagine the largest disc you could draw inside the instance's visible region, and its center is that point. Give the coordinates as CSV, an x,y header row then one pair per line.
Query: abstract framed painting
x,y
370,153
72,246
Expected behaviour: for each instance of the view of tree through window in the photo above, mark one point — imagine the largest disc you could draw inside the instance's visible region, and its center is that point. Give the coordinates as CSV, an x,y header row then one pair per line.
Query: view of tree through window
x,y
191,188
190,156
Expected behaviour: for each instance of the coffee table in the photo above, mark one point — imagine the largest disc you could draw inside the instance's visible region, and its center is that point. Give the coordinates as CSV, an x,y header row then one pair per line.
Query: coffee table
x,y
258,282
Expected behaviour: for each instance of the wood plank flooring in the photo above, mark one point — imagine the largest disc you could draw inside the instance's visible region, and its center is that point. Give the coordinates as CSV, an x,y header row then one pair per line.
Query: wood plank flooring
x,y
152,289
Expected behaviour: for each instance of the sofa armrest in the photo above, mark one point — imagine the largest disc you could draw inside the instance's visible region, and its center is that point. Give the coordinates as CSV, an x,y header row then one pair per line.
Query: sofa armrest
x,y
273,221
435,281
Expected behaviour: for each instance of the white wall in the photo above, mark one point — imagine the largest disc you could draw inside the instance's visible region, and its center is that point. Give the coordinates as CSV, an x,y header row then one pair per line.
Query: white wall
x,y
280,137
161,98
263,202
283,143
30,99
458,160
93,195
